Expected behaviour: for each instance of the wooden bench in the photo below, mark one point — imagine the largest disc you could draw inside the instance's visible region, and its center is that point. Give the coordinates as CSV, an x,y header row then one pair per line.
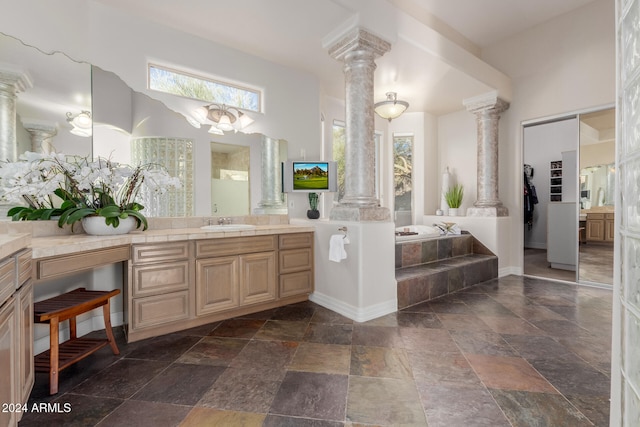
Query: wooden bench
x,y
68,306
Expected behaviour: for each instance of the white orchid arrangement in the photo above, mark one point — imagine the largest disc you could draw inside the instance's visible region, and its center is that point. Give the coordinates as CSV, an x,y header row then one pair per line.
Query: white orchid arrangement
x,y
71,188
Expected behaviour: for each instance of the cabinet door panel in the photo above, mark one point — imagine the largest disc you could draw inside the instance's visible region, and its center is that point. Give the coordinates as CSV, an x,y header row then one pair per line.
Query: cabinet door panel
x,y
24,314
257,277
595,229
217,284
8,362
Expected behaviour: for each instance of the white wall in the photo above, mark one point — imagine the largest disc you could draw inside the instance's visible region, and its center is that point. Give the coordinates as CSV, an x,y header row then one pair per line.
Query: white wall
x,y
565,65
457,149
562,66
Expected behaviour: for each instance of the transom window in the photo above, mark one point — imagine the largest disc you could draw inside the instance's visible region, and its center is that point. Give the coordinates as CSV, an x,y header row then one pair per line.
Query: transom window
x,y
180,83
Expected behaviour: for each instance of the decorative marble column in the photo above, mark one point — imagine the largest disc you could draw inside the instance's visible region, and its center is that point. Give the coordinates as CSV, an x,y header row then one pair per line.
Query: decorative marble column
x,y
487,109
11,83
359,49
271,202
41,137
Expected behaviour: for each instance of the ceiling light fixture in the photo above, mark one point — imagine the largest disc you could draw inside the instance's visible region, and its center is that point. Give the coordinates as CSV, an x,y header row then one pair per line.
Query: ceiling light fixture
x,y
82,123
391,108
224,118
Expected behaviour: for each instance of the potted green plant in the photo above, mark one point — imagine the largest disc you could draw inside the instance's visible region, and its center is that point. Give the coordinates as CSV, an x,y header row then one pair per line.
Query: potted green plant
x,y
91,191
313,213
454,199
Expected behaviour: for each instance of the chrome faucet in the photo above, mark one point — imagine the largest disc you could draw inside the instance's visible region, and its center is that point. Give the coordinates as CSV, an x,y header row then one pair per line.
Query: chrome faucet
x,y
223,220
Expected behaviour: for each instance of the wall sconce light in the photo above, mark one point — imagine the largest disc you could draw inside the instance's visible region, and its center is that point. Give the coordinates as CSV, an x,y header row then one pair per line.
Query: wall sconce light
x,y
82,123
391,108
224,118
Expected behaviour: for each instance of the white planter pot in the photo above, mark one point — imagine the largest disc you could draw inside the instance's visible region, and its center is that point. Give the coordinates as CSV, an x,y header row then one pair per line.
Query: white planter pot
x,y
96,226
454,211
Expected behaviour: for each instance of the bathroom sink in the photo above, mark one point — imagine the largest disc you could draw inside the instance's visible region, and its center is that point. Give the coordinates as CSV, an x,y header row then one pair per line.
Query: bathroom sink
x,y
228,227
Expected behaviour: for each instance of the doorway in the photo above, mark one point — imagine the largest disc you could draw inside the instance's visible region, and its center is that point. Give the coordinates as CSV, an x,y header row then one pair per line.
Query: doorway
x,y
568,165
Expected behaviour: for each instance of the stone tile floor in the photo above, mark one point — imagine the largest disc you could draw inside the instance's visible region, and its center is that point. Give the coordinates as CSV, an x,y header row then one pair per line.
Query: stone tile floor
x,y
512,351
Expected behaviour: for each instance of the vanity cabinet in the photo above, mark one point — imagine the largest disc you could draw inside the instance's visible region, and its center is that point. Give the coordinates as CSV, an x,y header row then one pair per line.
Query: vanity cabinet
x,y
179,285
235,272
295,264
16,335
600,227
159,279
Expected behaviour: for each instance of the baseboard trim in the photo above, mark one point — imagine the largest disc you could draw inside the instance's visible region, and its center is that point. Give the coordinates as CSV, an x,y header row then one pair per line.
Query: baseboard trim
x,y
357,314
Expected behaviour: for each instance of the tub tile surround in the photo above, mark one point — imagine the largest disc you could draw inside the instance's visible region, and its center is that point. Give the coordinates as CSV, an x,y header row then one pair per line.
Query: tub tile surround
x,y
438,266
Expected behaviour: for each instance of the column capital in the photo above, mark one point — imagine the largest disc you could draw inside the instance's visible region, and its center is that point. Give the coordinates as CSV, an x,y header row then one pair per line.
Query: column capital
x,y
358,39
20,79
48,130
489,102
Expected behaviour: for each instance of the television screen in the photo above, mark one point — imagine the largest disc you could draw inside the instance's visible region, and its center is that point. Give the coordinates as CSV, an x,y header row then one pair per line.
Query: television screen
x,y
310,176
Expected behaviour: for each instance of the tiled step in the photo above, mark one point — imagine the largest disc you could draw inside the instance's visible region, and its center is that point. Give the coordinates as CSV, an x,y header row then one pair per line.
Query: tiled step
x,y
423,282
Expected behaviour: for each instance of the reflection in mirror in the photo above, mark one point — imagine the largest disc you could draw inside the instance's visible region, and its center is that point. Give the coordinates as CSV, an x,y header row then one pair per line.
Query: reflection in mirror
x,y
229,180
40,90
597,195
49,86
597,186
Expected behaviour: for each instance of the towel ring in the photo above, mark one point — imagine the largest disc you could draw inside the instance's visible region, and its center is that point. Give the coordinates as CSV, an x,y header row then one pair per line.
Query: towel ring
x,y
344,230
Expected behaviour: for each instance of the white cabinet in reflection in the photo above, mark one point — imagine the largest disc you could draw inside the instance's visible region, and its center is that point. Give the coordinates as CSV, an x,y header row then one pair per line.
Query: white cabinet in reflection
x,y
562,235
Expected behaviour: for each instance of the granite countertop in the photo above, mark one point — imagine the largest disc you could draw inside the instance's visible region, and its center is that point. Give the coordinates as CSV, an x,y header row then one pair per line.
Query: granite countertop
x,y
48,246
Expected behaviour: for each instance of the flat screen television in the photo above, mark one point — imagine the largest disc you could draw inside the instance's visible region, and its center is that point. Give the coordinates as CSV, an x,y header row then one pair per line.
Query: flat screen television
x,y
309,176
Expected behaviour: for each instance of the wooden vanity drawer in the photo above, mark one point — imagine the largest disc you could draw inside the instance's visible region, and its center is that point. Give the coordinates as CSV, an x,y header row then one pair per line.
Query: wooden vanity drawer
x,y
7,279
160,309
293,260
296,283
296,240
23,266
595,216
160,252
60,266
161,277
235,246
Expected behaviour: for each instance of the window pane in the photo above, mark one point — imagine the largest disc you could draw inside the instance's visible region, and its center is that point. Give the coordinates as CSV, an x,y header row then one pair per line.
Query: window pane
x,y
190,86
402,168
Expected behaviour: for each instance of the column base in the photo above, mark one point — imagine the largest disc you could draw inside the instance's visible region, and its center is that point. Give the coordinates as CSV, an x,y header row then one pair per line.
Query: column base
x,y
282,210
360,213
488,211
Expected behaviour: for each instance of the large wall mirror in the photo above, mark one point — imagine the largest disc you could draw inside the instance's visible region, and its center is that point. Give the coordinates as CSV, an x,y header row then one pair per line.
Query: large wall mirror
x,y
131,127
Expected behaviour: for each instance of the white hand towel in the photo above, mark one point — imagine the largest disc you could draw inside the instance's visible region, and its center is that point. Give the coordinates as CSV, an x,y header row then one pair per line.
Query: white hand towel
x,y
336,248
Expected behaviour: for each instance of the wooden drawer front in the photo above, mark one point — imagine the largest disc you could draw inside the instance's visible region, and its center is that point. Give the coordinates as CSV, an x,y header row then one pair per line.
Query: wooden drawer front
x,y
160,252
595,216
53,267
296,240
296,260
296,283
24,266
7,279
217,284
609,216
160,309
163,277
234,246
257,277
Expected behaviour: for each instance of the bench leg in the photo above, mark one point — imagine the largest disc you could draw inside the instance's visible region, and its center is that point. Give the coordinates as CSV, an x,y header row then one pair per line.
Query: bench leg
x,y
106,311
53,355
73,330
